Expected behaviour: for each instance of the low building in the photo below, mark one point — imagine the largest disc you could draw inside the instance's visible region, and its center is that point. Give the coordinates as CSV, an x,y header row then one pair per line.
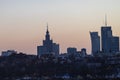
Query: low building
x,y
8,52
83,52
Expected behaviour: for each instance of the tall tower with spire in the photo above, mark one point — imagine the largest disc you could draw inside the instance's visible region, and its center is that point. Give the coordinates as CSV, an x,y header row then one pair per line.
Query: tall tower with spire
x,y
109,42
47,42
106,35
48,46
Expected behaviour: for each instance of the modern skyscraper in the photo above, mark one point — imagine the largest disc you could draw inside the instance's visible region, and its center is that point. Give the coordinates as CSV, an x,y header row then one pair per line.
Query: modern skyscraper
x,y
109,42
48,46
106,36
95,42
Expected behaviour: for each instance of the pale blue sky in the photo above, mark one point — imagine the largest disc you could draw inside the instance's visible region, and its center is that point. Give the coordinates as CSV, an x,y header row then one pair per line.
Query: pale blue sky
x,y
22,22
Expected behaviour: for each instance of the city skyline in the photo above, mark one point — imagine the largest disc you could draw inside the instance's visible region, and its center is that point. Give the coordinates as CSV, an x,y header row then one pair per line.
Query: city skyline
x,y
23,23
48,46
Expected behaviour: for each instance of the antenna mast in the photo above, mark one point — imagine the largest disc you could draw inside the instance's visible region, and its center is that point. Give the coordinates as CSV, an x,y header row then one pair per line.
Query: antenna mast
x,y
105,19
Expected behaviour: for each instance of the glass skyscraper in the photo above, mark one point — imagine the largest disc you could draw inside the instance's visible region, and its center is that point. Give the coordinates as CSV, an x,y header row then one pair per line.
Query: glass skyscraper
x,y
109,42
106,36
95,42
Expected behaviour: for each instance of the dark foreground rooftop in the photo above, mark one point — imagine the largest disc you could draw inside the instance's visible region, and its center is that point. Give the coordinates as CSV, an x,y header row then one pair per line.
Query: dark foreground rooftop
x,y
31,67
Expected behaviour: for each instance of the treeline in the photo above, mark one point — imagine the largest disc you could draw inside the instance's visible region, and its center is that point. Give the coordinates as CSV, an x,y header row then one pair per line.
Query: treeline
x,y
20,65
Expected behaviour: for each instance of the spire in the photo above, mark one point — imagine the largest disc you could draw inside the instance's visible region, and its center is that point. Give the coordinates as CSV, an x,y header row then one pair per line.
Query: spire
x,y
47,33
105,19
47,28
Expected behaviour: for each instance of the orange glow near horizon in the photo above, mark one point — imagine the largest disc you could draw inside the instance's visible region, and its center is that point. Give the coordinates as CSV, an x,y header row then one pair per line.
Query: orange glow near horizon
x,y
23,23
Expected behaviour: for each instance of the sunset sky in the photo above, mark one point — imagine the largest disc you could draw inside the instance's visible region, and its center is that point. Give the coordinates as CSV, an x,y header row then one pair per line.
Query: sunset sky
x,y
23,22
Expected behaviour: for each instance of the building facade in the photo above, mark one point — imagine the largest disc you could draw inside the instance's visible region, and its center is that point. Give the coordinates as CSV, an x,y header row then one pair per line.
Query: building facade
x,y
115,44
71,50
48,46
95,42
106,36
110,43
8,52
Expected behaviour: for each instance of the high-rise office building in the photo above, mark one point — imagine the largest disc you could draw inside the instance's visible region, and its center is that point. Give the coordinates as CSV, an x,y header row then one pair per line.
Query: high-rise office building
x,y
106,36
48,46
109,42
95,42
